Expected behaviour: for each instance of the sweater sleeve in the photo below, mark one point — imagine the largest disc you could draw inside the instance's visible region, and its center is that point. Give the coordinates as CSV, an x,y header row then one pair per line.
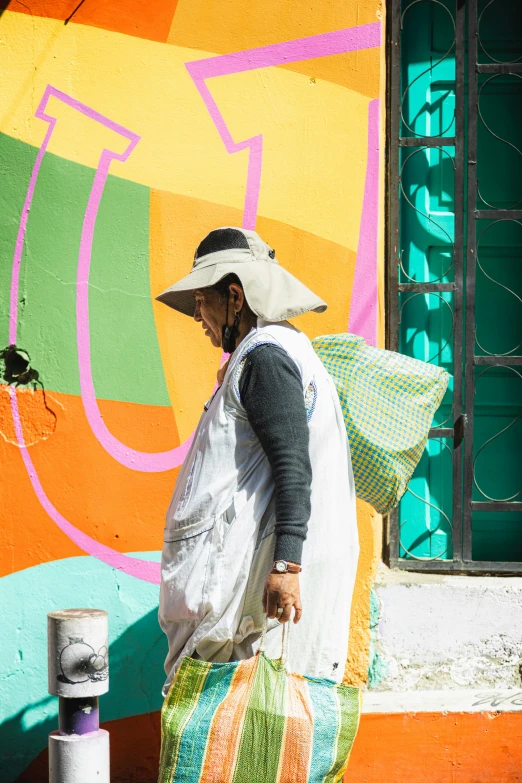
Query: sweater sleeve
x,y
271,391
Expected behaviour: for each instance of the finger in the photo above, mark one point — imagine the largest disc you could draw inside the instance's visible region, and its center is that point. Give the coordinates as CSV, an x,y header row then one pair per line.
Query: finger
x,y
265,601
271,607
287,613
298,611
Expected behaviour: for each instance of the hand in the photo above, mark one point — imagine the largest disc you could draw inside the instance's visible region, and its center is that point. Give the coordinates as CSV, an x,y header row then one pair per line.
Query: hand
x,y
282,592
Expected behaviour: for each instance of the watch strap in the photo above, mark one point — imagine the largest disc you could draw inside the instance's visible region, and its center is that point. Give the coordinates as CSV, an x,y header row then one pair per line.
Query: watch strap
x,y
291,568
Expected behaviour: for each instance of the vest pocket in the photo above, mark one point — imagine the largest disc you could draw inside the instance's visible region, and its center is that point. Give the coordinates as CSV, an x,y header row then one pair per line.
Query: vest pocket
x,y
185,569
172,535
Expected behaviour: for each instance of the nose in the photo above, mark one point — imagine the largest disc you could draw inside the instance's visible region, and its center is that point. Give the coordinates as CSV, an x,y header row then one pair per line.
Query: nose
x,y
197,313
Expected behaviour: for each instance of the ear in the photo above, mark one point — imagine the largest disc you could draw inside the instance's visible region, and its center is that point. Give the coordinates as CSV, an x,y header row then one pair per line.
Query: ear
x,y
238,296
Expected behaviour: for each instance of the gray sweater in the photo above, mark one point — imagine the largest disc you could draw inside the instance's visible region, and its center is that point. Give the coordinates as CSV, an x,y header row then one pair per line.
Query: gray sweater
x,y
272,393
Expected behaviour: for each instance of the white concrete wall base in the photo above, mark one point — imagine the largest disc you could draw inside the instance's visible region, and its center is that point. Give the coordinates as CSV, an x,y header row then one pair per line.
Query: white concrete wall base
x,y
448,632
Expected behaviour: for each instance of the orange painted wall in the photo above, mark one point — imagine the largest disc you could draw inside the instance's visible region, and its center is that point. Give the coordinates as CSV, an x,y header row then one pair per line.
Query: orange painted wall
x,y
418,748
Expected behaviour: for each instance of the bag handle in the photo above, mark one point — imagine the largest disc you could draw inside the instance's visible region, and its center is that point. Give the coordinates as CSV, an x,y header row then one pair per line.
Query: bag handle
x,y
284,643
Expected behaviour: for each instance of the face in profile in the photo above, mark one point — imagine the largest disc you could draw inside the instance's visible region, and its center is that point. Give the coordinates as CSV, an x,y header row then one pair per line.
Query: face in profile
x,y
210,312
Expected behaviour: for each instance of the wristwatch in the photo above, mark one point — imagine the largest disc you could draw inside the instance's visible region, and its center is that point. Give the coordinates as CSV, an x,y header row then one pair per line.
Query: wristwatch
x,y
282,567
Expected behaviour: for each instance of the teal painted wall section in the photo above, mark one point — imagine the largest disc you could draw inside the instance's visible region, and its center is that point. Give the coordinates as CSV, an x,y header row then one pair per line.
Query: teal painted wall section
x,y
137,649
426,246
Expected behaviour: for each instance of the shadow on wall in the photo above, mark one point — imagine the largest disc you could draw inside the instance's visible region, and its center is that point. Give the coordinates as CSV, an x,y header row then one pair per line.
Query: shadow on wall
x,y
135,748
134,740
4,6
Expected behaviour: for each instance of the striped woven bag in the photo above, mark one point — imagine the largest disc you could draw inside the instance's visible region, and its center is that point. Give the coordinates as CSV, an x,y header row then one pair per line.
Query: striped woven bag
x,y
388,402
254,722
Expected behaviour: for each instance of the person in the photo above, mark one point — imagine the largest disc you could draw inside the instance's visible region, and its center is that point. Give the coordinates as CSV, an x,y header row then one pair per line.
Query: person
x,y
262,521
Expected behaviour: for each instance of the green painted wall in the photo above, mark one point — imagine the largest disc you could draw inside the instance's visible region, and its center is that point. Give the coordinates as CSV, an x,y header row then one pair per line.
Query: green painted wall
x,y
125,355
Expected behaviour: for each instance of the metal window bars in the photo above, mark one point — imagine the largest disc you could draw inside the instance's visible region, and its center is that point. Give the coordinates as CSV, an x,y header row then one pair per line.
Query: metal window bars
x,y
466,20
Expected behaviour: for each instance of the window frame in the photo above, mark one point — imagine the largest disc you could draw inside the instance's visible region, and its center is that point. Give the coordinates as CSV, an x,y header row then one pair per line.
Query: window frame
x,y
460,430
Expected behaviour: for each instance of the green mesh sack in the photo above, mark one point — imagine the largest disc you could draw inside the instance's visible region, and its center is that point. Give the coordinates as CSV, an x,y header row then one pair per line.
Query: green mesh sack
x,y
388,402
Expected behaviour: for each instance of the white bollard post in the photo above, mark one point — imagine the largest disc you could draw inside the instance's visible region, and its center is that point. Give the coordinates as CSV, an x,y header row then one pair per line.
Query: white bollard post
x,y
78,668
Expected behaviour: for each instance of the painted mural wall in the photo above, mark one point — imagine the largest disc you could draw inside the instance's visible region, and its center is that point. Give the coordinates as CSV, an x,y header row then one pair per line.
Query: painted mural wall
x,y
127,132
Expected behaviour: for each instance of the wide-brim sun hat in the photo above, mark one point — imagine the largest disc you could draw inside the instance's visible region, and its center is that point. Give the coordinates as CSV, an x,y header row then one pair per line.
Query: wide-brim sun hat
x,y
271,292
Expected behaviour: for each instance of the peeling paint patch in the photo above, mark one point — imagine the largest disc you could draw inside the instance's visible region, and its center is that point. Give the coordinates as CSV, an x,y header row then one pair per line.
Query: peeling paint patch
x,y
377,669
39,420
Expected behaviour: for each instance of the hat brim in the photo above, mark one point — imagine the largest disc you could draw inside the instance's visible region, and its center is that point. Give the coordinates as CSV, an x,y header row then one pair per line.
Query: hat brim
x,y
271,292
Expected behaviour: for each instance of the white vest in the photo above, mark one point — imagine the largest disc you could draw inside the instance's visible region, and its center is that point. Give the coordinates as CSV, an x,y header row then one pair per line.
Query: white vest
x,y
219,537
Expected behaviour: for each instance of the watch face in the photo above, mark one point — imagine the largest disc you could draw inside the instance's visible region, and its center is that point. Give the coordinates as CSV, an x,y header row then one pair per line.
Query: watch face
x,y
280,566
